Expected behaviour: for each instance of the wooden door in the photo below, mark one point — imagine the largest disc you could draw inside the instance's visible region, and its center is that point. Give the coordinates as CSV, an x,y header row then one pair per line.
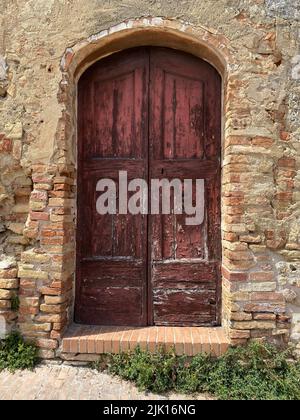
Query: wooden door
x,y
185,107
113,136
156,113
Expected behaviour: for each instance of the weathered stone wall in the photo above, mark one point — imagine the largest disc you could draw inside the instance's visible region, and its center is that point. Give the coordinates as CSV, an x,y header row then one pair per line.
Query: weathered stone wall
x,y
43,43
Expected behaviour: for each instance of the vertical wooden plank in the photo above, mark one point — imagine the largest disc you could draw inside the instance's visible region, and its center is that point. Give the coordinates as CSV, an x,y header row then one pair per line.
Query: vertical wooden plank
x,y
103,102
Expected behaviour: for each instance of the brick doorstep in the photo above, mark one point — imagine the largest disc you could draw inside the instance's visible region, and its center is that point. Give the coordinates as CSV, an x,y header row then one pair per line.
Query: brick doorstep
x,y
81,340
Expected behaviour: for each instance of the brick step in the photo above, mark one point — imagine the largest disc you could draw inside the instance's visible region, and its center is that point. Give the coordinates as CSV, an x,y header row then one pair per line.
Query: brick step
x,y
84,340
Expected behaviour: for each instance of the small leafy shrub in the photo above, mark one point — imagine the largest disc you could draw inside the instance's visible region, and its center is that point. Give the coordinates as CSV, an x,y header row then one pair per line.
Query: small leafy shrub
x,y
149,371
16,354
256,372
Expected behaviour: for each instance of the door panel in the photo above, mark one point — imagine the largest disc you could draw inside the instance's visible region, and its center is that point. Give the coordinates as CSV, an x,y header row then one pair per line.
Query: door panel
x,y
185,106
113,137
183,117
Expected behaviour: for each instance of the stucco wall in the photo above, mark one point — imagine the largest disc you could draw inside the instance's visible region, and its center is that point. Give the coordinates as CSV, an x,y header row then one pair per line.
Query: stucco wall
x,y
261,175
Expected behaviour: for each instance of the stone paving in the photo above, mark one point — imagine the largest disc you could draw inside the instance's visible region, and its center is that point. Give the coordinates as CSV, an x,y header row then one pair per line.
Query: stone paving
x,y
66,382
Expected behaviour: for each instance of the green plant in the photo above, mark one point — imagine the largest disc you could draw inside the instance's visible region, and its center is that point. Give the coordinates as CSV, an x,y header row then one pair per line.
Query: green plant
x,y
147,370
15,303
16,354
256,372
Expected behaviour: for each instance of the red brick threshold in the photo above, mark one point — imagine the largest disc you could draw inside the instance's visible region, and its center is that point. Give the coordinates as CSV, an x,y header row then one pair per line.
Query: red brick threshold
x,y
84,340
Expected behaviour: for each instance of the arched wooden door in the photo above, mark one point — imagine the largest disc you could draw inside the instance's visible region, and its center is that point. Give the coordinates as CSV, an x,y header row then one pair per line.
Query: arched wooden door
x,y
155,113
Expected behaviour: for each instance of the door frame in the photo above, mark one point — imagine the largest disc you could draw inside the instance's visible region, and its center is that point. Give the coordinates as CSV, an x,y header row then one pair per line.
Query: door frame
x,y
196,40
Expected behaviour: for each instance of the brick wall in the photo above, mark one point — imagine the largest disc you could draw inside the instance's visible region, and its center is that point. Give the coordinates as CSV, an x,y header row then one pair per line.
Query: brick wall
x,y
47,273
255,45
